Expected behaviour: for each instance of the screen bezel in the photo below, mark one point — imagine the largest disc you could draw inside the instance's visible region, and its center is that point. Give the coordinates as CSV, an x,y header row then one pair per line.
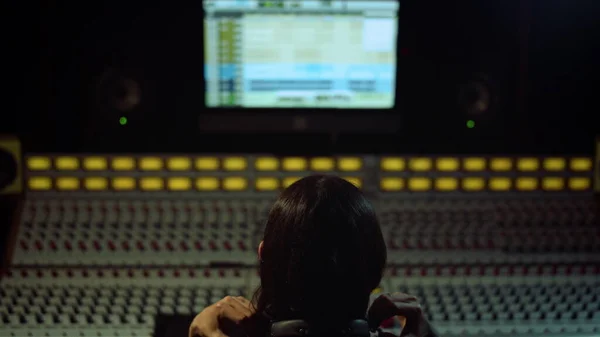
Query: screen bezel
x,y
304,111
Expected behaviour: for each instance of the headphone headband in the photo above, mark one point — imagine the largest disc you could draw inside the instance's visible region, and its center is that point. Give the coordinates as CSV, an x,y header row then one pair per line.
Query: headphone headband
x,y
300,328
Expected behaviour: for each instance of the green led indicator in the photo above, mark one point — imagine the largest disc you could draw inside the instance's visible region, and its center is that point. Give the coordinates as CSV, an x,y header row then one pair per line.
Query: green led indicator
x,y
123,120
470,124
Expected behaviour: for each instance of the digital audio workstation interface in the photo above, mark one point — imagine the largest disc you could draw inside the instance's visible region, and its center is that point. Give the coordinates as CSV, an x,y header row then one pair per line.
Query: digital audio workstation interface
x,y
314,54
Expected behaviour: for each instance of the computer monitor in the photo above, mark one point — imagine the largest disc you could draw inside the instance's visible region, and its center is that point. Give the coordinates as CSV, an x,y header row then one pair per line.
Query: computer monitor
x,y
300,54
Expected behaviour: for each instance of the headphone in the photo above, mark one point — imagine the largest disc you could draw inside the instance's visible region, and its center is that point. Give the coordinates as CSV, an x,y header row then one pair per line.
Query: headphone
x,y
300,328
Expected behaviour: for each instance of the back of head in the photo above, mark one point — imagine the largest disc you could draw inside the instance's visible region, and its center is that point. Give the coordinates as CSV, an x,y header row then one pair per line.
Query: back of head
x,y
323,253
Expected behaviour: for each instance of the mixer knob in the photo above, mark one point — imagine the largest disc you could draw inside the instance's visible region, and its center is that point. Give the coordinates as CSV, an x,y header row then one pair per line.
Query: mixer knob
x,y
24,245
82,246
97,245
111,245
140,245
212,245
170,246
183,245
227,245
125,245
198,245
68,246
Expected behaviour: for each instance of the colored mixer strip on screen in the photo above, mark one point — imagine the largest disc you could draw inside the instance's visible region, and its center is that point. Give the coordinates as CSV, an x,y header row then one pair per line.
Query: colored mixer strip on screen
x,y
266,173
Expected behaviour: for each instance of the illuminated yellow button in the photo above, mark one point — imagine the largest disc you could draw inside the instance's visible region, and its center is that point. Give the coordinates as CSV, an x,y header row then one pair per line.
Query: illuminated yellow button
x,y
527,184
267,184
95,183
39,183
474,164
95,163
554,164
322,164
287,181
151,184
235,184
376,291
39,163
391,184
123,164
123,183
446,164
67,183
349,164
419,184
393,164
151,164
354,181
581,164
207,184
500,184
472,184
501,164
420,164
528,164
446,184
267,164
207,164
553,184
235,163
294,164
179,184
66,163
179,164
579,183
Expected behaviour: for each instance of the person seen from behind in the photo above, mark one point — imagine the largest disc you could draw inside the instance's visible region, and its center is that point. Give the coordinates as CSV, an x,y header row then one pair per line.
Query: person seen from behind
x,y
321,257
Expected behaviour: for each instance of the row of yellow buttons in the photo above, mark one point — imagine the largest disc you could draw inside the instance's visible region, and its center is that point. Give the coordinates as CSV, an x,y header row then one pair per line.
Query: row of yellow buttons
x,y
482,164
346,164
160,184
387,184
395,184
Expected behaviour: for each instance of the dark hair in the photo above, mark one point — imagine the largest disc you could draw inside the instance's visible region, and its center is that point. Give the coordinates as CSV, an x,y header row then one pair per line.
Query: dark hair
x,y
323,253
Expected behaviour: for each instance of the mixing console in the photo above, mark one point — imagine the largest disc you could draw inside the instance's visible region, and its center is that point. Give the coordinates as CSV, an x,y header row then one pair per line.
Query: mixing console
x,y
106,245
100,232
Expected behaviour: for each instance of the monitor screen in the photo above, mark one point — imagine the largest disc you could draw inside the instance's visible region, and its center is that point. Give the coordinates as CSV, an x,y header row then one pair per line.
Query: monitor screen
x,y
300,53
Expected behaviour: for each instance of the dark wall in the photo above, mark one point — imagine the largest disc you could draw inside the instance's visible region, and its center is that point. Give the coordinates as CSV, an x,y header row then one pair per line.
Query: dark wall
x,y
538,58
